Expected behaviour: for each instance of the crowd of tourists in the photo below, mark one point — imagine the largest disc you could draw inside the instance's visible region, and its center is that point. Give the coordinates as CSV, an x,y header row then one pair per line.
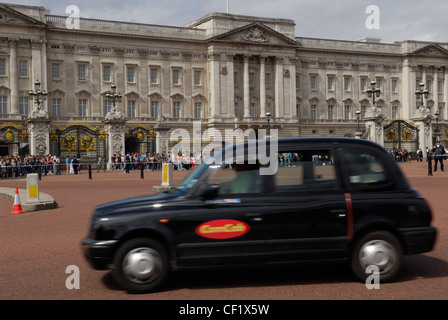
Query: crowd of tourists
x,y
19,166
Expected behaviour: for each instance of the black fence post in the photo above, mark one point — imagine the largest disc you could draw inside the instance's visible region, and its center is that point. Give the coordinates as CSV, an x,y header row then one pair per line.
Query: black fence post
x,y
429,164
141,170
90,171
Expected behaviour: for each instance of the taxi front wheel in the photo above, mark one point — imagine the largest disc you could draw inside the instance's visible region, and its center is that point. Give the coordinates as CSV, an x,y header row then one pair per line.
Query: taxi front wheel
x,y
140,265
377,251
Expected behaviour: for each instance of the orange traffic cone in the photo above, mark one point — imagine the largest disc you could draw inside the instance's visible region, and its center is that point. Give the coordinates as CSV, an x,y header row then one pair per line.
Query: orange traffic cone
x,y
17,206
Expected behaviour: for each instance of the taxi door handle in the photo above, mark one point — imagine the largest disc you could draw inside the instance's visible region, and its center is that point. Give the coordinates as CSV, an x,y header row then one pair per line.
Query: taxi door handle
x,y
339,213
254,217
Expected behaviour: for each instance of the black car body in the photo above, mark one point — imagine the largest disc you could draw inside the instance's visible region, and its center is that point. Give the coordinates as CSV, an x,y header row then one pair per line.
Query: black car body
x,y
330,199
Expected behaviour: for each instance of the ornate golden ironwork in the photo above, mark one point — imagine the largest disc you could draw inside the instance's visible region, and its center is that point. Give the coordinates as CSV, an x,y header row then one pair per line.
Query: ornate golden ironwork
x,y
391,135
77,123
87,143
407,134
69,143
8,136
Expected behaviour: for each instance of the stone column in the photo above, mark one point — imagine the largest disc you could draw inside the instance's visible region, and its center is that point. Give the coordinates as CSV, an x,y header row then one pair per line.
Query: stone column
x,y
215,89
407,88
262,87
115,129
293,90
445,95
44,72
376,123
39,137
278,86
13,76
435,92
162,139
246,87
230,85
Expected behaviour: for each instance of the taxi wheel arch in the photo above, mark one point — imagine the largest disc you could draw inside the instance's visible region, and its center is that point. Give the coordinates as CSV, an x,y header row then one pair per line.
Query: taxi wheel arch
x,y
141,265
379,248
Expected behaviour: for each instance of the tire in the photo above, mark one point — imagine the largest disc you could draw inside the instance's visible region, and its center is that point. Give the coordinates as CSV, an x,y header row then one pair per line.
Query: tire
x,y
140,266
380,249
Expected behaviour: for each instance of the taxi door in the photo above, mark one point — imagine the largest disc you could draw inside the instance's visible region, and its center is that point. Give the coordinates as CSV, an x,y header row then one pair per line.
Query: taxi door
x,y
224,229
308,216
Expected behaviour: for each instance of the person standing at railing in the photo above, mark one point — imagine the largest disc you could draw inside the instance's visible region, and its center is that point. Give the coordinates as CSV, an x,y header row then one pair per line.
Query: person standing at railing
x,y
57,163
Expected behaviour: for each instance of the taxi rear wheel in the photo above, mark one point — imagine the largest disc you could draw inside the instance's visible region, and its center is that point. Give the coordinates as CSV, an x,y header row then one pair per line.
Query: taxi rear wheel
x,y
140,265
379,252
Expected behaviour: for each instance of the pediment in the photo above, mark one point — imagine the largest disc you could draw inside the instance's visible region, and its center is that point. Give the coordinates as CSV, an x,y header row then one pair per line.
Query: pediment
x,y
255,33
433,50
82,92
11,16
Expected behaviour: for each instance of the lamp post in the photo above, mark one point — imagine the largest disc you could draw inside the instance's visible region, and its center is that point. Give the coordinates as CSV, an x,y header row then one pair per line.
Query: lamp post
x,y
358,130
420,92
437,131
37,95
113,96
373,91
268,117
358,115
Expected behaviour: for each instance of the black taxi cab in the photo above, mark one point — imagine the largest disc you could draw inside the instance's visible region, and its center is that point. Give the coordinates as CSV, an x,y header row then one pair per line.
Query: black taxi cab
x,y
324,199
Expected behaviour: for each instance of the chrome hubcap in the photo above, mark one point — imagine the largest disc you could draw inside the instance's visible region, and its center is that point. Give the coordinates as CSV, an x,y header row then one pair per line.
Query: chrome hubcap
x,y
378,253
142,265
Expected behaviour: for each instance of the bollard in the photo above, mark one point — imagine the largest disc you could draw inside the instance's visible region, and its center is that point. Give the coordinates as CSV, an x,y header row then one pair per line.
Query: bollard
x,y
429,164
32,186
39,170
90,171
141,171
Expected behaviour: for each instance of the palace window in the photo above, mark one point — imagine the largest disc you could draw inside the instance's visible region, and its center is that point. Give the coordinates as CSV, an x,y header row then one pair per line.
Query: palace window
x,y
107,75
346,84
198,109
153,76
82,72
197,78
154,109
347,112
23,68
24,105
107,106
313,83
82,107
330,83
131,109
176,109
2,67
55,71
56,108
3,105
363,82
330,112
252,110
176,77
313,112
131,74
394,85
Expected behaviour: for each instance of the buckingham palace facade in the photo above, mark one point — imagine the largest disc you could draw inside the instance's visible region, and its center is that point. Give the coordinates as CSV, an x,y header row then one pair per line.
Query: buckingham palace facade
x,y
97,87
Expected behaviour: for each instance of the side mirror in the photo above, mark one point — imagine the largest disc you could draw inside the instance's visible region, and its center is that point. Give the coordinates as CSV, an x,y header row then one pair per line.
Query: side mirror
x,y
209,191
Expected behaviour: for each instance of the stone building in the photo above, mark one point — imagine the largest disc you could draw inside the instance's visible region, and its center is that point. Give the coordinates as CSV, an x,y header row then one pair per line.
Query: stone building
x,y
221,71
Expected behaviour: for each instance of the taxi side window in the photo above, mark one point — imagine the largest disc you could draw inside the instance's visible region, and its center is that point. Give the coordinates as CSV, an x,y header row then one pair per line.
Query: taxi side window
x,y
305,170
364,169
237,178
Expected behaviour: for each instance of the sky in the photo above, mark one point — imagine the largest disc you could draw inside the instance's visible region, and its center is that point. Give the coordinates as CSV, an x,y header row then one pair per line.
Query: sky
x,y
390,20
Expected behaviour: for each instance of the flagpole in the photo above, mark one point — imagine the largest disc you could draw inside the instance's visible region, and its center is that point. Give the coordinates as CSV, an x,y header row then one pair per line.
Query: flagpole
x,y
227,6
